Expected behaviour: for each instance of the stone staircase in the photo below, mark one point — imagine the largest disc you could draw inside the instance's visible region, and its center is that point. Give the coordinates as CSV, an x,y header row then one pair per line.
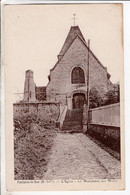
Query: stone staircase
x,y
73,121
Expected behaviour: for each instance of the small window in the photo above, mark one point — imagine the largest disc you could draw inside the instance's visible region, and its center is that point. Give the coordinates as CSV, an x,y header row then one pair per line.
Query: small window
x,y
77,76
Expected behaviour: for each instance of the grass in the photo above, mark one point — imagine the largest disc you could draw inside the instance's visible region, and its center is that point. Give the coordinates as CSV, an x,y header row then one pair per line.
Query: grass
x,y
33,139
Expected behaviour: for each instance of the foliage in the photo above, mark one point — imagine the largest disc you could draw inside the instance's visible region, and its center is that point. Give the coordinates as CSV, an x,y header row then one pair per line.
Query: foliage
x,y
113,95
95,100
32,142
110,97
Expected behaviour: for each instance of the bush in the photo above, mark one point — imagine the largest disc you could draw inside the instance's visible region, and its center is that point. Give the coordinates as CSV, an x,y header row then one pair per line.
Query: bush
x,y
110,97
95,100
113,95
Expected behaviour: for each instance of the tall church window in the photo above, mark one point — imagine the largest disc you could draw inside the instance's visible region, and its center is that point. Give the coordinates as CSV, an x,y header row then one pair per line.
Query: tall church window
x,y
77,76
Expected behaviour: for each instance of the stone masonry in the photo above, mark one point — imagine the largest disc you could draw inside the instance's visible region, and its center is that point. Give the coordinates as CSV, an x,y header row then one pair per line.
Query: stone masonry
x,y
75,54
60,88
29,87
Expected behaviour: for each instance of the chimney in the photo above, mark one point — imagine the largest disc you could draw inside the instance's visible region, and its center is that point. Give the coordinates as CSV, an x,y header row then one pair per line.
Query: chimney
x,y
29,87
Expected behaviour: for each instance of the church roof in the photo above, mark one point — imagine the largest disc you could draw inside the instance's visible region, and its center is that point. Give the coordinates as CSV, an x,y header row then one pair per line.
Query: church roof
x,y
72,35
74,31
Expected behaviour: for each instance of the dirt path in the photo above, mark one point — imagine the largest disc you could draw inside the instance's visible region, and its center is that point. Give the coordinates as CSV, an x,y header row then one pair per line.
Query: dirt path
x,y
75,156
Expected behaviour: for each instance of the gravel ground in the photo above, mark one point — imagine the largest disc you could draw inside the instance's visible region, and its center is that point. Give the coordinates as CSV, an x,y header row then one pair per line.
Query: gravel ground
x,y
75,156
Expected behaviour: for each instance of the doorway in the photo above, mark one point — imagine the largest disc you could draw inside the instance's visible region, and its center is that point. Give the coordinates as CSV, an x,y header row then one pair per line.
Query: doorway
x,y
78,100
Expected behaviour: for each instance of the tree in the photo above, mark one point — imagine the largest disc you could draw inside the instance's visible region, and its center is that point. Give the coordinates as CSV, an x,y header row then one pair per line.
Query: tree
x,y
110,97
95,100
113,95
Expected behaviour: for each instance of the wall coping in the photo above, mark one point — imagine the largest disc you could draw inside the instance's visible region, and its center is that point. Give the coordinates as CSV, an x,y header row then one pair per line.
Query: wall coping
x,y
103,107
34,103
104,124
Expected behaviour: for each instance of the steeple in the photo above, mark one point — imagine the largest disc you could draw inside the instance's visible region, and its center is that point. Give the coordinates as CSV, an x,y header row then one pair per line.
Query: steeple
x,y
74,31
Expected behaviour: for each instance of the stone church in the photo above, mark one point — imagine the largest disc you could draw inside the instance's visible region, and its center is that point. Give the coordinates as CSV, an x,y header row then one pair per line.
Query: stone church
x,y
67,83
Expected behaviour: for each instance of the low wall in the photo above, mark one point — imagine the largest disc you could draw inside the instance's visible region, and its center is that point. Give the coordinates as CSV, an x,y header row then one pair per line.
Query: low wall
x,y
48,111
106,115
104,125
110,136
106,131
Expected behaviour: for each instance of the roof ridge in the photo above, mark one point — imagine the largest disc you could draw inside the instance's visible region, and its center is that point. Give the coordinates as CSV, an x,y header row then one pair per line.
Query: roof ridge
x,y
74,30
91,51
63,54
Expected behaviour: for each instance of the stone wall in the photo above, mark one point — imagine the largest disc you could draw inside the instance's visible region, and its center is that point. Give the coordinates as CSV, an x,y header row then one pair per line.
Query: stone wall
x,y
108,135
104,122
106,131
60,75
46,111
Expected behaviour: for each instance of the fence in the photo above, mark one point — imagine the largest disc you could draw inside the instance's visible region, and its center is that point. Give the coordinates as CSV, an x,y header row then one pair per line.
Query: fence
x,y
105,115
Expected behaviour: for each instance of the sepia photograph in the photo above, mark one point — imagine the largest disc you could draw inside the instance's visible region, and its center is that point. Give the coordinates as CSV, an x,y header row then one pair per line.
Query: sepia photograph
x,y
64,95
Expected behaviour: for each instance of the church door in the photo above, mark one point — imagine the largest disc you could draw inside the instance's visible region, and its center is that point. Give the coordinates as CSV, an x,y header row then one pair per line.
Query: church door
x,y
78,100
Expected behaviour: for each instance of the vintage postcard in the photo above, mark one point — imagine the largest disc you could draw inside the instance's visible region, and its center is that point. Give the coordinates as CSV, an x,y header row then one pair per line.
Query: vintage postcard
x,y
64,95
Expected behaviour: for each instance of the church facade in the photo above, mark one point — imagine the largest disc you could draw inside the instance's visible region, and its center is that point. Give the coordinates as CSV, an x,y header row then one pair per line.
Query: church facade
x,y
68,78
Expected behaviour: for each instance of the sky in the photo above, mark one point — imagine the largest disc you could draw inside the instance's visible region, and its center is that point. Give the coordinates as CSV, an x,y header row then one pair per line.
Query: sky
x,y
35,34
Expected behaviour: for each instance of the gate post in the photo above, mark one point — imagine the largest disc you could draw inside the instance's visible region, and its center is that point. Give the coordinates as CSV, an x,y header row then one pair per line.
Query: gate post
x,y
85,118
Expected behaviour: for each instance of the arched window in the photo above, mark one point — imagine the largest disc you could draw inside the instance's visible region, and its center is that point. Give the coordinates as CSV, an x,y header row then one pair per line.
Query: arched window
x,y
77,76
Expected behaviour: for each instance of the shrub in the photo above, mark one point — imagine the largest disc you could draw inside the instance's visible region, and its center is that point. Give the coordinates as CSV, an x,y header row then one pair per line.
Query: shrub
x,y
95,100
113,95
110,97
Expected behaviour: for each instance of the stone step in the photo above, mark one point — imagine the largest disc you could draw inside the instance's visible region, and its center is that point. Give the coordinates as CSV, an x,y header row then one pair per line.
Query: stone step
x,y
74,118
73,121
72,130
72,127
